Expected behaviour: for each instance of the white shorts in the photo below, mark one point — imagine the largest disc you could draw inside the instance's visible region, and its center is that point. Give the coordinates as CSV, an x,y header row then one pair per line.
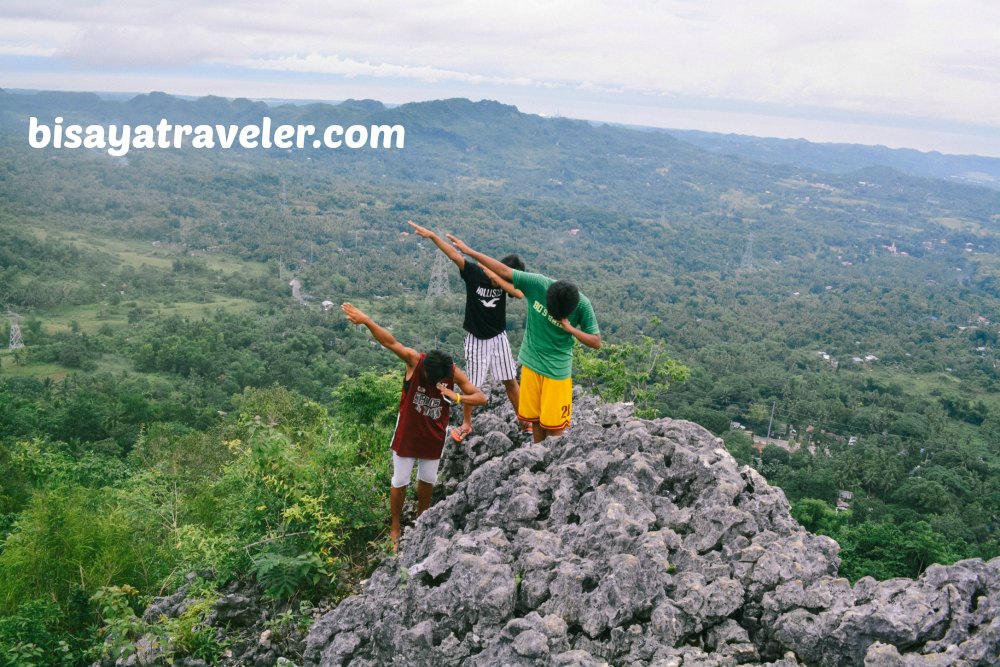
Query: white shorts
x,y
490,356
402,466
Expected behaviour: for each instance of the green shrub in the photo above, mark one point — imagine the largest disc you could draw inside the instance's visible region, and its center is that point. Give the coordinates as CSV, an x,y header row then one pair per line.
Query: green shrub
x,y
284,576
369,400
817,516
121,625
636,372
31,637
72,537
192,636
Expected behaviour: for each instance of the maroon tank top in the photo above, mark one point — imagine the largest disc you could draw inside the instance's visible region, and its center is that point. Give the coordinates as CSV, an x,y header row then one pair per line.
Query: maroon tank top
x,y
423,416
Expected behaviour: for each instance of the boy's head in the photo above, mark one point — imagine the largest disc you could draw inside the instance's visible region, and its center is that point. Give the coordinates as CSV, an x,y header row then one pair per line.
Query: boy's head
x,y
514,262
437,366
561,299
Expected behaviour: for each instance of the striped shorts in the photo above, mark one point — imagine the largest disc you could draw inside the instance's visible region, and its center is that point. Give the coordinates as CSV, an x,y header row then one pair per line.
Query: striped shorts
x,y
490,356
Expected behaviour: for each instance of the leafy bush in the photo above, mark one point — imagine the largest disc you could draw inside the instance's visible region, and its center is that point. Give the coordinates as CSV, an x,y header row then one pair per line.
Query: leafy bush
x,y
190,635
32,637
303,497
817,516
187,635
370,401
286,576
635,372
121,625
71,536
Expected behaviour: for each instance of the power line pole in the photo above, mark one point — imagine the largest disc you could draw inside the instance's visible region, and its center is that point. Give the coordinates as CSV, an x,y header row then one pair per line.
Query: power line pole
x,y
439,285
16,343
747,261
771,420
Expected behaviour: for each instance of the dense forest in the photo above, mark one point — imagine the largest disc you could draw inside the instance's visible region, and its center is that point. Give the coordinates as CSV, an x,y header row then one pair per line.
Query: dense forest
x,y
175,411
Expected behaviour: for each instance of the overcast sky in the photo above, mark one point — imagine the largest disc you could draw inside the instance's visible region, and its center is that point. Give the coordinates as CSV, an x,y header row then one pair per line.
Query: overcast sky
x,y
923,74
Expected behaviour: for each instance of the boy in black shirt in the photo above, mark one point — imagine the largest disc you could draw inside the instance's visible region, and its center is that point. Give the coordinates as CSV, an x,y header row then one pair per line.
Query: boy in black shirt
x,y
487,349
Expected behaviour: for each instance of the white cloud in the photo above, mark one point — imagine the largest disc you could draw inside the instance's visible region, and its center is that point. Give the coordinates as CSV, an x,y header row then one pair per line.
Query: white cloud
x,y
349,67
911,58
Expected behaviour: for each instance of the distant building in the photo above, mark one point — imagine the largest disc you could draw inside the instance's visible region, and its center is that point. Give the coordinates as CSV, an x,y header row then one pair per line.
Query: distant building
x,y
327,305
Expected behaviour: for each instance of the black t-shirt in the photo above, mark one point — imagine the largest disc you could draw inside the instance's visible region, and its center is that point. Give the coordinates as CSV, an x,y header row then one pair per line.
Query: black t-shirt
x,y
485,305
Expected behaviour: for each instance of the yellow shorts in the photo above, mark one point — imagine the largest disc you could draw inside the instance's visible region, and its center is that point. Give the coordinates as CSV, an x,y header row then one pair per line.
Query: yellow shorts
x,y
545,401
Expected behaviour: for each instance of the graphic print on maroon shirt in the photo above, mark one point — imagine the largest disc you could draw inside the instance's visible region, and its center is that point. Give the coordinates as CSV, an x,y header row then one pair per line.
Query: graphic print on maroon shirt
x,y
423,416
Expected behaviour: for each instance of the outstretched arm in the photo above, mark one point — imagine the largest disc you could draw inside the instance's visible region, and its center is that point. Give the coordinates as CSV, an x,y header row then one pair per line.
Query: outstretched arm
x,y
471,394
453,254
486,261
409,356
588,339
505,285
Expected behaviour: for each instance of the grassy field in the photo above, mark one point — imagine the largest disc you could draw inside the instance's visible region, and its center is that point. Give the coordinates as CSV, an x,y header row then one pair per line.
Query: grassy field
x,y
139,253
114,309
29,370
930,384
91,317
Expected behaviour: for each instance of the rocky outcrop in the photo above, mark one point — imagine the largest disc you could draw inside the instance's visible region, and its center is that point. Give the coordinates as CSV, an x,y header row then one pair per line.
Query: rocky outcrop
x,y
632,542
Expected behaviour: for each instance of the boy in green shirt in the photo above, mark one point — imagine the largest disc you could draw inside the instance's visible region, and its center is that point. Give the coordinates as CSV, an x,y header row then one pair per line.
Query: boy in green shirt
x,y
558,316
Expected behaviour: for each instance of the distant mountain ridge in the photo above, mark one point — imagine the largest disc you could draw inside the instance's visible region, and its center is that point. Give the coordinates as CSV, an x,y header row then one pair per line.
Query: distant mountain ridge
x,y
488,139
846,158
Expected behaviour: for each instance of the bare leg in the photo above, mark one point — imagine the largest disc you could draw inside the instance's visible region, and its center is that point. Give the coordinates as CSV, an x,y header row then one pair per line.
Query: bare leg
x,y
466,418
424,491
514,394
396,497
540,433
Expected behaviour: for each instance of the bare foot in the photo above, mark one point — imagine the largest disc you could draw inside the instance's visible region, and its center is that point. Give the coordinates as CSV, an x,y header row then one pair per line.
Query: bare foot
x,y
459,432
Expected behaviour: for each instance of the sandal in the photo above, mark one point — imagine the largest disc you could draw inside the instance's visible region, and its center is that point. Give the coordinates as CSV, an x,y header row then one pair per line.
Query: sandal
x,y
459,433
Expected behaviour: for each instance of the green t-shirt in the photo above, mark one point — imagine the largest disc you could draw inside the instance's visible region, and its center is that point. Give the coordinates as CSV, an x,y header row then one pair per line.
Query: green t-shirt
x,y
547,348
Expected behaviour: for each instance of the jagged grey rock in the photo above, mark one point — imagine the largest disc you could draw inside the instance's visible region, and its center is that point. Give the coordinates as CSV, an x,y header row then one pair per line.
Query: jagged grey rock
x,y
170,606
633,542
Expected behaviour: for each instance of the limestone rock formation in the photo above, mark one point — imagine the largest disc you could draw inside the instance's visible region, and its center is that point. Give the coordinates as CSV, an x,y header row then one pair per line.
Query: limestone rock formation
x,y
632,542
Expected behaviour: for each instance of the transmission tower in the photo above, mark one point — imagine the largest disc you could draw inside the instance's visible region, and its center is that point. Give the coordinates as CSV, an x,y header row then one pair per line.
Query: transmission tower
x,y
747,261
439,285
15,332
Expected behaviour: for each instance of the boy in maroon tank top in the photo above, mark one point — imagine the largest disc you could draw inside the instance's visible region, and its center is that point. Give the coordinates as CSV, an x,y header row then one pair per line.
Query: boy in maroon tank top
x,y
423,415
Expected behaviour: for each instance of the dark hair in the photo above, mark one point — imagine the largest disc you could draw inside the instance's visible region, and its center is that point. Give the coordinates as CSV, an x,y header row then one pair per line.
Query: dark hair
x,y
437,366
514,262
561,299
